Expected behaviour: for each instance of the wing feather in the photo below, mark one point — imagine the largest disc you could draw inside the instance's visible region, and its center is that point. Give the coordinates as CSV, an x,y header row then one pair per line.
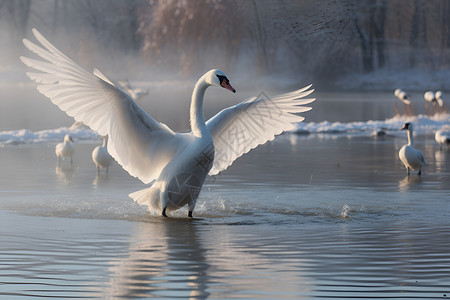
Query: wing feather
x,y
139,143
238,129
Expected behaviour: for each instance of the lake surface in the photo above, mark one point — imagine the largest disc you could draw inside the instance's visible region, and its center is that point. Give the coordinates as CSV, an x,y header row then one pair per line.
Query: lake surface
x,y
306,216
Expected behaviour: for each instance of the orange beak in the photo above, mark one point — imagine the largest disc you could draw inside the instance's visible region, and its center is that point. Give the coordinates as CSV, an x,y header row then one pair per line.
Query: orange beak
x,y
226,84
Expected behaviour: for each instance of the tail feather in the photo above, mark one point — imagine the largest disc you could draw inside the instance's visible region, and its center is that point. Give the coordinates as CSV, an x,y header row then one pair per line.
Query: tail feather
x,y
149,196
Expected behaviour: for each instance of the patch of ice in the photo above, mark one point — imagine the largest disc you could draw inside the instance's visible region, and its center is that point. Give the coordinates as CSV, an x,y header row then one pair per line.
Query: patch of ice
x,y
26,136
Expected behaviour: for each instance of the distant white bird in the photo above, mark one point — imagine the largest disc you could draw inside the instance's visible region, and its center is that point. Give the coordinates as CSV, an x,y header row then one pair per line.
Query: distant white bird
x,y
175,163
400,94
429,97
65,149
135,93
412,158
442,137
438,96
101,157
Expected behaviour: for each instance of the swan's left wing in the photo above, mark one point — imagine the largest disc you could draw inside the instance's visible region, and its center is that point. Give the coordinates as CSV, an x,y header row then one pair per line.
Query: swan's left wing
x,y
238,129
139,143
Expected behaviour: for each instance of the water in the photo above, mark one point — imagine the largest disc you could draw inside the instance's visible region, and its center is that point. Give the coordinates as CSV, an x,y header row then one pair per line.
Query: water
x,y
306,216
330,214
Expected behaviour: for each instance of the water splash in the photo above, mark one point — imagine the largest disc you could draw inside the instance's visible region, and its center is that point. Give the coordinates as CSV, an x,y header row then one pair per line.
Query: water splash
x,y
345,211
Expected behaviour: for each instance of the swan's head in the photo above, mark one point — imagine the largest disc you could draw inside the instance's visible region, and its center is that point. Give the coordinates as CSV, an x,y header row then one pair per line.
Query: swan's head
x,y
218,78
68,138
407,126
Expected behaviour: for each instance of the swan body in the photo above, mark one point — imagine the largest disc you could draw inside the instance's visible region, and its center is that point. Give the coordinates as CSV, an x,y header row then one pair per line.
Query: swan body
x,y
442,137
65,149
411,157
402,96
175,164
430,97
101,157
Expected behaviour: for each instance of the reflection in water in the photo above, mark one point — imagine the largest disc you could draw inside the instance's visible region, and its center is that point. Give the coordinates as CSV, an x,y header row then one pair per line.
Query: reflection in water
x,y
409,181
440,157
165,259
64,173
100,179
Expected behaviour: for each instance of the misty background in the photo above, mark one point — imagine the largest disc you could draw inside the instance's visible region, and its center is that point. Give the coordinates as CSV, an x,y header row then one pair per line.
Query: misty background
x,y
323,41
263,46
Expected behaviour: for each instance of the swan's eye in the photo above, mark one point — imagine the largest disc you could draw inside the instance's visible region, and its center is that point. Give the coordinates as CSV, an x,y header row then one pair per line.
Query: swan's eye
x,y
222,78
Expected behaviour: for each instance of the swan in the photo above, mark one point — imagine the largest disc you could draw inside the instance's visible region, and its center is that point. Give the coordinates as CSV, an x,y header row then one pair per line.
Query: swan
x,y
135,93
430,97
442,137
412,158
175,164
101,157
400,94
65,149
438,96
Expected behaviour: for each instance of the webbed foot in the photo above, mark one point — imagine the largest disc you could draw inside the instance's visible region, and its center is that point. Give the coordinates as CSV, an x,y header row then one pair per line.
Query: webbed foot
x,y
164,213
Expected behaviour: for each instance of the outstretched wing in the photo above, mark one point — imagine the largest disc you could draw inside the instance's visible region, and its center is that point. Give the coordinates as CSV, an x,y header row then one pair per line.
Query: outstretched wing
x,y
240,128
139,143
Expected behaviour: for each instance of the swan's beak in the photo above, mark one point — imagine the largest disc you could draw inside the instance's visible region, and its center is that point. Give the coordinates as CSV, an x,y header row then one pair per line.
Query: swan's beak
x,y
405,127
226,84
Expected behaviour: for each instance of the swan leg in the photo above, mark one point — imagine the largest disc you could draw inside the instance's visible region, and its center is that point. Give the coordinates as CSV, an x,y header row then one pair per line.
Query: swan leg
x,y
420,172
164,212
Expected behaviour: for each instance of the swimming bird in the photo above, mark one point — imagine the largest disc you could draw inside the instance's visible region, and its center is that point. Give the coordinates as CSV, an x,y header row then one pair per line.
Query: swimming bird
x,y
411,157
101,157
442,137
65,149
175,164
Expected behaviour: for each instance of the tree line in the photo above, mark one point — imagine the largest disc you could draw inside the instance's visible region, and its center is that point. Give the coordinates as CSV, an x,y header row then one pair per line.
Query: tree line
x,y
321,38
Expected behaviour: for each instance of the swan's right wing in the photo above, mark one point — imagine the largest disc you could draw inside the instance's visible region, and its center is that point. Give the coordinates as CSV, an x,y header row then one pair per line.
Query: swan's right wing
x,y
139,143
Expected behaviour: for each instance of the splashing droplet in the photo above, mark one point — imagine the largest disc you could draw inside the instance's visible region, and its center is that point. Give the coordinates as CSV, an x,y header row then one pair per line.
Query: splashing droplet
x,y
345,210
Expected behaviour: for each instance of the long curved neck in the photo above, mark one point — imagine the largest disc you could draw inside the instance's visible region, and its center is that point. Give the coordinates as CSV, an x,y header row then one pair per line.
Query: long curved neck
x,y
410,138
197,117
105,141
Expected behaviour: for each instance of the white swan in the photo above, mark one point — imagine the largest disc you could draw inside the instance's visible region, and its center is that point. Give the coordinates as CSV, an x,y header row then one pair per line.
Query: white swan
x,y
438,96
175,163
433,98
134,93
400,94
101,157
412,158
65,149
442,137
